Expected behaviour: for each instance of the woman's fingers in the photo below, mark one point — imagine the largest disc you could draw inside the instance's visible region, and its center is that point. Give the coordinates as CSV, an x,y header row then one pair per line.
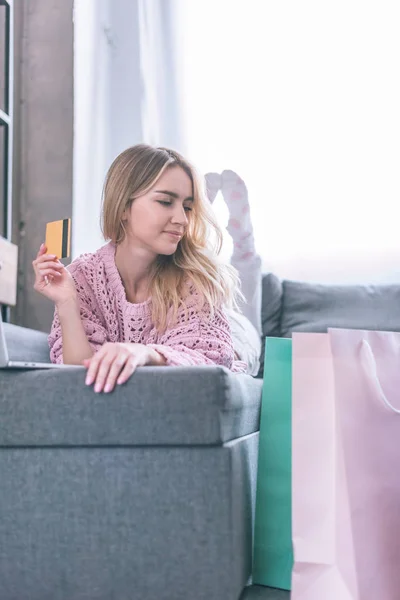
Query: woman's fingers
x,y
109,366
46,267
113,363
42,249
54,268
50,263
42,254
119,363
44,272
130,367
47,258
92,368
43,260
99,367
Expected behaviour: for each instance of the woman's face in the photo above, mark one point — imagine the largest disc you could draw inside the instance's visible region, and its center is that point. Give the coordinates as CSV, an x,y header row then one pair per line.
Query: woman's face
x,y
158,220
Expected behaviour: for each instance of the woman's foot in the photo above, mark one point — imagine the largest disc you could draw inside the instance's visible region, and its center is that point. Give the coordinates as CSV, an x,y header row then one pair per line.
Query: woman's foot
x,y
213,185
239,226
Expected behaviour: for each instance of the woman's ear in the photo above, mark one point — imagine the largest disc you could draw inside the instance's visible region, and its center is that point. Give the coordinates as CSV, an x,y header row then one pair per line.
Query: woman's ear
x,y
122,225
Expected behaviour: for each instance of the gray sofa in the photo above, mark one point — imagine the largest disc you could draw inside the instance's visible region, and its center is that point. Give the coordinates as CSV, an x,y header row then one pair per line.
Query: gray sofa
x,y
146,493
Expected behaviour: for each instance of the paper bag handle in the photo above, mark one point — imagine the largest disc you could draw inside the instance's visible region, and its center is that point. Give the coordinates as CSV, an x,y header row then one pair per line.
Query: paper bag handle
x,y
369,365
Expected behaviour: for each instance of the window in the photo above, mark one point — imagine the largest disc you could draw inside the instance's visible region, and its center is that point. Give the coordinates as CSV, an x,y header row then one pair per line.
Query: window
x,y
6,129
302,100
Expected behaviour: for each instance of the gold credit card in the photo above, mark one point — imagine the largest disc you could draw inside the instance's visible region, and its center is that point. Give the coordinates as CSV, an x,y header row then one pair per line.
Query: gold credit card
x,y
58,238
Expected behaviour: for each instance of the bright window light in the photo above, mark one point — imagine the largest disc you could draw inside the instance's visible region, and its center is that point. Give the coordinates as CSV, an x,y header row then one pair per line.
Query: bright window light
x,y
302,99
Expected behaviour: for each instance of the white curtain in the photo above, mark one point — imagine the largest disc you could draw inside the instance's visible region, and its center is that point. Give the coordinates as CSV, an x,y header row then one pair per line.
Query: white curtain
x,y
124,93
302,100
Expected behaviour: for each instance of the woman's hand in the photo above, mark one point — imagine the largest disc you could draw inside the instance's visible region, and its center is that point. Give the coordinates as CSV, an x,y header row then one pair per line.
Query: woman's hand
x,y
115,362
52,280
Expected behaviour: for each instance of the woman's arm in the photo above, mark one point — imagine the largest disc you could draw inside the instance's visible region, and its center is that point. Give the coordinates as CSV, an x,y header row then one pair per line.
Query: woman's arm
x,y
199,340
75,345
77,331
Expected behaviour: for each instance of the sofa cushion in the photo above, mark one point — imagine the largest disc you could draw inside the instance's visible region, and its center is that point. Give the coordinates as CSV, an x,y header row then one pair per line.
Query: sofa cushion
x,y
313,307
26,344
271,305
270,312
157,406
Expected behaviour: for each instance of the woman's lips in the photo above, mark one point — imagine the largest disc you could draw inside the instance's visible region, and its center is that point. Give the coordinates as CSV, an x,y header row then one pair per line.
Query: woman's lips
x,y
174,234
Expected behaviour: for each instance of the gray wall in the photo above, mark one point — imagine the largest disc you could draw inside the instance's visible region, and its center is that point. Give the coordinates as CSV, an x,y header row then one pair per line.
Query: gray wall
x,y
43,139
2,54
2,107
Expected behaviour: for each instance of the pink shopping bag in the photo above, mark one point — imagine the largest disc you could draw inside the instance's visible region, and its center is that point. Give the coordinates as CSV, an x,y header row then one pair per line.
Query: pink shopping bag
x,y
324,567
367,383
350,467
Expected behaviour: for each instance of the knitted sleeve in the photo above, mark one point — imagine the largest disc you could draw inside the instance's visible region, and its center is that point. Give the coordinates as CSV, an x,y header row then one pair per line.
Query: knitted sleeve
x,y
90,314
199,339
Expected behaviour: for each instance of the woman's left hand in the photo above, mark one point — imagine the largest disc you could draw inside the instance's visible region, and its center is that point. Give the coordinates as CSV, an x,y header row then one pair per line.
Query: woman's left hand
x,y
115,362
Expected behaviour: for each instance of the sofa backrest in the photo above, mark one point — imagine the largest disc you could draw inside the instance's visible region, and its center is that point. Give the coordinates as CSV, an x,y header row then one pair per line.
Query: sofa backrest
x,y
289,306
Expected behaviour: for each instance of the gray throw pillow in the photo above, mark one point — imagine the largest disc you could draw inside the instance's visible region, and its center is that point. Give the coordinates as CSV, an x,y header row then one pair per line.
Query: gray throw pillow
x,y
314,307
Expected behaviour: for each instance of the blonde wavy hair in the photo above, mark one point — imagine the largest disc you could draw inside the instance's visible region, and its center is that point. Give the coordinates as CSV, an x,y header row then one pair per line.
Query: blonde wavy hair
x,y
133,173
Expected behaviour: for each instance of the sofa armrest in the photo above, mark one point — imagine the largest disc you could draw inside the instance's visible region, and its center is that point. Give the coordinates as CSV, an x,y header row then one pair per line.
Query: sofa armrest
x,y
158,406
25,344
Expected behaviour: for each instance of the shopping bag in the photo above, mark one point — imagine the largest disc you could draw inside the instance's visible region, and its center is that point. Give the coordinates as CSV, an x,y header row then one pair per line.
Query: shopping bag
x,y
346,452
273,553
367,383
324,567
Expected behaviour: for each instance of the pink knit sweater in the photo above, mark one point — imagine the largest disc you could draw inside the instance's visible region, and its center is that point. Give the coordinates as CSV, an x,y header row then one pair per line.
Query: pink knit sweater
x,y
108,316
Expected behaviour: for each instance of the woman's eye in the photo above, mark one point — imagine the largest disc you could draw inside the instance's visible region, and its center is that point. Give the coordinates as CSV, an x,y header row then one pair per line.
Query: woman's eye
x,y
187,208
165,203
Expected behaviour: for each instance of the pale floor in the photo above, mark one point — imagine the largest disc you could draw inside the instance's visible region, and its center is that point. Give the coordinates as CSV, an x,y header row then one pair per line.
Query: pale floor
x,y
258,592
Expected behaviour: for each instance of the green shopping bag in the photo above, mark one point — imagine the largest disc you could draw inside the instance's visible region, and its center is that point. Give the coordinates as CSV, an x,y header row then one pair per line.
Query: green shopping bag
x,y
273,550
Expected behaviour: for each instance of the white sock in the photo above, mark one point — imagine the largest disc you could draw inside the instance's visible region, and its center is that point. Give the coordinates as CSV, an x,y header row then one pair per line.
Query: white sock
x,y
239,226
213,185
244,258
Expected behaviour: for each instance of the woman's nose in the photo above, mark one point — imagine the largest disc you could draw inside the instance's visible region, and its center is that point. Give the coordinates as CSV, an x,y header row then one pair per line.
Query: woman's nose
x,y
180,216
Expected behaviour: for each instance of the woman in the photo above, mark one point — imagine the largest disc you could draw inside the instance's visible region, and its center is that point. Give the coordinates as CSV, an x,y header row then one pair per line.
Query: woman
x,y
155,294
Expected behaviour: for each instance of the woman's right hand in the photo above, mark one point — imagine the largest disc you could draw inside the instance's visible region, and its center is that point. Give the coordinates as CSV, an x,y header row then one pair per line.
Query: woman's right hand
x,y
53,280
